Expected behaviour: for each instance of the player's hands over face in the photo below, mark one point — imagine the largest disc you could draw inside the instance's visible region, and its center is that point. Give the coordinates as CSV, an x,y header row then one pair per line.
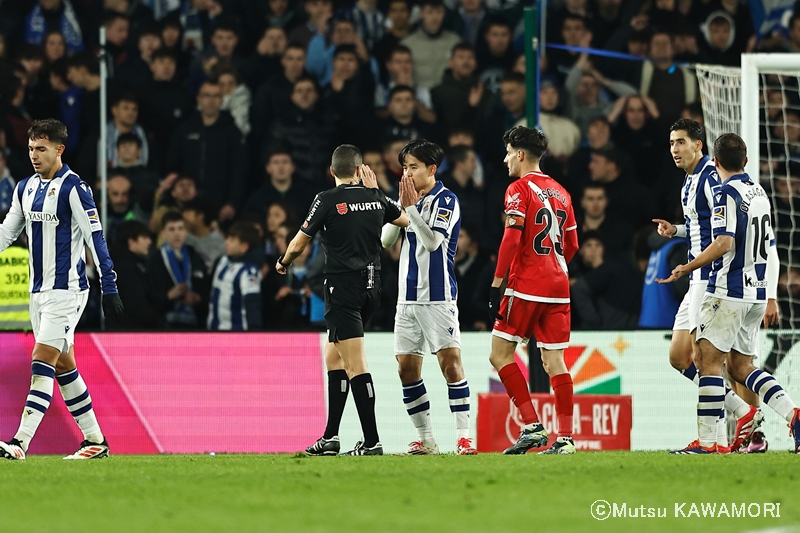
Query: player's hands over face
x,y
408,192
677,273
772,315
368,178
665,229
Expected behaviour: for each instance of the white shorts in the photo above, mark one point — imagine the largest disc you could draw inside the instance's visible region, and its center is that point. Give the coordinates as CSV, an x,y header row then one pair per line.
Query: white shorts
x,y
728,324
687,316
54,315
426,328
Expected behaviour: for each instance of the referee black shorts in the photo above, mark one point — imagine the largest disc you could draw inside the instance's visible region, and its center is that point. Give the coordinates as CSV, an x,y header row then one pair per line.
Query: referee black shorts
x,y
349,304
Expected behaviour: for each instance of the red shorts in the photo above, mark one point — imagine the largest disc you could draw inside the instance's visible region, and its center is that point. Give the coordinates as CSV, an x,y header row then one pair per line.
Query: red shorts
x,y
548,323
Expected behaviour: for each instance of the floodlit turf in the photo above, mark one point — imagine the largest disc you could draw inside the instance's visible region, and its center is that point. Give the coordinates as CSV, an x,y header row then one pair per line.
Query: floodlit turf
x,y
487,493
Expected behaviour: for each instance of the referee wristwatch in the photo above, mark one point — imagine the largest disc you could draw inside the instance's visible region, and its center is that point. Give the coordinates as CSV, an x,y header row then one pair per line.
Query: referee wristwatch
x,y
280,260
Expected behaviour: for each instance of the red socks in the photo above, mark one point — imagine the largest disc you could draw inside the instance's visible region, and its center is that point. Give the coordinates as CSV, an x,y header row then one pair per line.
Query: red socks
x,y
517,390
562,389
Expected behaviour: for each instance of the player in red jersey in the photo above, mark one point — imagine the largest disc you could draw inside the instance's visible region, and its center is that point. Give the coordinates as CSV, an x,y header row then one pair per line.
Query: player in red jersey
x,y
539,240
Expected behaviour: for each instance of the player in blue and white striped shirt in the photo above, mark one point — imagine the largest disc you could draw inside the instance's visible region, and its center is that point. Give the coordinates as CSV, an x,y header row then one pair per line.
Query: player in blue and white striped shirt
x,y
697,201
741,293
236,283
427,314
59,215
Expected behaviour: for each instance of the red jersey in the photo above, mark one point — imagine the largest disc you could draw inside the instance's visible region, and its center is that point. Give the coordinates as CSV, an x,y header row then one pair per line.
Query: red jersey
x,y
543,208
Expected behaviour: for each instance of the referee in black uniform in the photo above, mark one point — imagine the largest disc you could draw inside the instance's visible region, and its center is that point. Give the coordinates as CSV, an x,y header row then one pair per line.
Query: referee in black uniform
x,y
351,217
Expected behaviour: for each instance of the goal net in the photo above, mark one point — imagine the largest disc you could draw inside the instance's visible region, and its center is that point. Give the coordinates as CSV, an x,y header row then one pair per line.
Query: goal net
x,y
761,103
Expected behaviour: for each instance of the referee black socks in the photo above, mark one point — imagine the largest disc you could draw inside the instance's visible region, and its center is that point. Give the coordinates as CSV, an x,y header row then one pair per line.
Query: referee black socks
x,y
338,388
364,395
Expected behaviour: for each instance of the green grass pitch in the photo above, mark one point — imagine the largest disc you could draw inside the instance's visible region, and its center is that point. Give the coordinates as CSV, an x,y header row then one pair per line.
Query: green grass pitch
x,y
487,493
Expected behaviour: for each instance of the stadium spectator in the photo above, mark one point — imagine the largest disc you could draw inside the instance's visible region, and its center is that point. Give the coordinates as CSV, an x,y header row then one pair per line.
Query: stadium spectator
x,y
135,73
398,15
175,190
266,58
402,120
609,296
469,21
457,98
235,303
13,116
224,38
53,15
627,200
470,266
616,235
573,32
785,187
660,303
318,13
494,53
124,119
54,46
598,135
374,160
319,61
671,87
116,26
83,71
209,147
236,97
202,235
430,44
306,128
130,263
279,185
399,67
368,20
276,92
178,279
120,206
164,104
272,14
139,15
639,130
563,135
349,96
459,179
171,33
286,298
279,214
390,147
145,181
719,32
7,183
40,100
500,118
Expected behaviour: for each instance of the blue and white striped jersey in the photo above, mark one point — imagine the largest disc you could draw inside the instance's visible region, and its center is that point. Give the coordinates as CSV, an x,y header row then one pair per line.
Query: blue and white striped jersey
x,y
429,277
742,210
697,200
59,215
233,281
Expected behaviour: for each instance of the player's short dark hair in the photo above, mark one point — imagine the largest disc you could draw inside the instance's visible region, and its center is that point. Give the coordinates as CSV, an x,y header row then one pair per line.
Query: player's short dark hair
x,y
132,230
692,128
730,151
85,60
531,140
400,89
124,96
202,207
423,150
164,53
345,159
246,232
345,49
431,3
171,216
462,47
459,153
50,129
129,137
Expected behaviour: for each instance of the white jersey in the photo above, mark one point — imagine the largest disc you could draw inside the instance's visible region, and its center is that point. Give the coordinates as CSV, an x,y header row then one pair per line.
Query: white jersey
x,y
697,201
59,215
429,277
231,284
742,211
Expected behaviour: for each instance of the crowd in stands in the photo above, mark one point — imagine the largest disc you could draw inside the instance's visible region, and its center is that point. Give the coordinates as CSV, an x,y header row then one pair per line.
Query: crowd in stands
x,y
222,116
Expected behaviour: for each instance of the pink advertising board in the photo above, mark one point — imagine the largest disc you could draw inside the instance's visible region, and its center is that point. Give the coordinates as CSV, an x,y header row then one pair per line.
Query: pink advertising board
x,y
180,392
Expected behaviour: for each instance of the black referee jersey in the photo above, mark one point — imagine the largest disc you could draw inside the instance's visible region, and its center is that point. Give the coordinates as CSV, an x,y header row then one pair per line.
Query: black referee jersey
x,y
351,218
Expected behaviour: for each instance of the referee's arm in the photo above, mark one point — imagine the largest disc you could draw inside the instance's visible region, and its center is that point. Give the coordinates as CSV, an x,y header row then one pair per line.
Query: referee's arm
x,y
294,249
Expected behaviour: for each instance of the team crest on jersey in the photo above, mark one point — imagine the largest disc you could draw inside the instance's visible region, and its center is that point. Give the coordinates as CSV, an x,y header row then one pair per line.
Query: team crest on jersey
x,y
442,218
52,192
341,209
512,202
